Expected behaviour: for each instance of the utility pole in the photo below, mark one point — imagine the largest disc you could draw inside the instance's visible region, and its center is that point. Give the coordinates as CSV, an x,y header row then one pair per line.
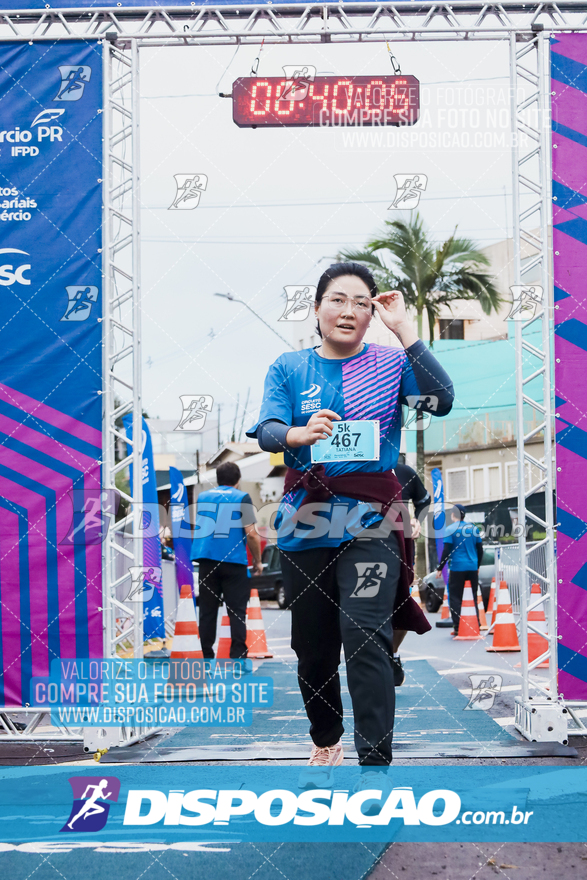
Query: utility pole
x,y
233,436
240,433
218,425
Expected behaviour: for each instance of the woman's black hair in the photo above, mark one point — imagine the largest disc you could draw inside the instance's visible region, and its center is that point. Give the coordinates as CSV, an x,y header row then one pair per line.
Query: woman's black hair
x,y
336,271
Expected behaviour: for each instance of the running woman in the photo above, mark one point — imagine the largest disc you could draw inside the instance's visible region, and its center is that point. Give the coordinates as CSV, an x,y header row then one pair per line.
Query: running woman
x,y
347,564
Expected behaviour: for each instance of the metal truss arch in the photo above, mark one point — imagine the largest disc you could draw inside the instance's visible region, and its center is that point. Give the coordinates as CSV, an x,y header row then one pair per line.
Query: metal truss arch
x,y
124,32
297,22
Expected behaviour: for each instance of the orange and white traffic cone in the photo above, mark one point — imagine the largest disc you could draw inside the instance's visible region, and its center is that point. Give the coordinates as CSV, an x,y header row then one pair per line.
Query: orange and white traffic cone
x,y
537,644
225,639
505,635
186,636
492,605
468,624
256,639
445,618
483,626
416,595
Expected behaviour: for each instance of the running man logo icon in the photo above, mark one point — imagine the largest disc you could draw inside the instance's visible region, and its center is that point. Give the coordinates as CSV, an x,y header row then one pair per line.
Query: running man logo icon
x,y
299,302
195,409
298,82
525,301
189,188
144,579
90,802
417,413
484,689
92,509
409,188
370,575
412,419
74,79
80,299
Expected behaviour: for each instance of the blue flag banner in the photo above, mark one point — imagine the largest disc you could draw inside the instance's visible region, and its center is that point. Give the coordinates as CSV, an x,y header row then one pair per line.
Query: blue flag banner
x,y
180,530
246,804
439,514
153,621
50,358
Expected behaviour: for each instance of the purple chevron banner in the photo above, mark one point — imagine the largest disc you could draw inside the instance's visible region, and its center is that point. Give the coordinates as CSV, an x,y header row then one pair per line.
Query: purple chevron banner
x,y
50,359
569,177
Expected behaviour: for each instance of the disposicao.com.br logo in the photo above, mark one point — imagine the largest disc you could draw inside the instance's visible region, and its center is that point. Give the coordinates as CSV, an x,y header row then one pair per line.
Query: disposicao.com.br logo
x,y
313,807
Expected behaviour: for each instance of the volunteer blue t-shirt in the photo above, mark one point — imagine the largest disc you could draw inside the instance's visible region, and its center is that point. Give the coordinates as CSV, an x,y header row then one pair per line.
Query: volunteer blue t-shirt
x,y
221,515
463,539
369,385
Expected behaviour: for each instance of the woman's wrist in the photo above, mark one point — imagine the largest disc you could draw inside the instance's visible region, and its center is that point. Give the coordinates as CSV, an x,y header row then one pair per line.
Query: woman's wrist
x,y
293,439
406,334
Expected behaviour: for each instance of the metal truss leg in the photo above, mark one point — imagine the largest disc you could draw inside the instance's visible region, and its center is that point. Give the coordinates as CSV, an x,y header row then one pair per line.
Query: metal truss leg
x,y
540,716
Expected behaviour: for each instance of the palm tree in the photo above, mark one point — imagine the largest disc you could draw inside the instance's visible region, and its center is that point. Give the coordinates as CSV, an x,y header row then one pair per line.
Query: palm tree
x,y
430,276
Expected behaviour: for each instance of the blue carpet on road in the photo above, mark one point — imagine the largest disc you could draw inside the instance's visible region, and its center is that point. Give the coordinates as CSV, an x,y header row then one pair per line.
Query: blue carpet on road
x,y
429,711
263,861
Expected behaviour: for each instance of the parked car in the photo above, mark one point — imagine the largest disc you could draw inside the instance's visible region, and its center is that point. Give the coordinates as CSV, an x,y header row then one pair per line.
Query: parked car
x,y
432,589
270,583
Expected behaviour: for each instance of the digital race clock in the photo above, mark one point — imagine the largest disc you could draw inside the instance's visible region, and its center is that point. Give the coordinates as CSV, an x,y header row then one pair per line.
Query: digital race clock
x,y
274,101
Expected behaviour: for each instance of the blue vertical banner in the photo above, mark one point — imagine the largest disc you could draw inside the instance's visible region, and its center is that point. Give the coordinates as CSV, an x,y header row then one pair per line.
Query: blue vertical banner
x,y
153,621
439,519
180,529
50,357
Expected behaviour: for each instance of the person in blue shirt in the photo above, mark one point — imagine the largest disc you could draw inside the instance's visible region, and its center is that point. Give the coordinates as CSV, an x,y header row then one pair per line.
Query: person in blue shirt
x,y
345,546
225,519
463,550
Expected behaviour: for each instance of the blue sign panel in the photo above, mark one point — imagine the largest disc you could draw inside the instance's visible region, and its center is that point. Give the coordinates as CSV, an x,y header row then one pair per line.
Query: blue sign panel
x,y
182,542
153,622
233,805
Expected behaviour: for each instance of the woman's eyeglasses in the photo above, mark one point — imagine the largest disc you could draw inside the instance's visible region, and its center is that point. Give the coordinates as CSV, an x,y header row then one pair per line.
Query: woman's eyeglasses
x,y
339,302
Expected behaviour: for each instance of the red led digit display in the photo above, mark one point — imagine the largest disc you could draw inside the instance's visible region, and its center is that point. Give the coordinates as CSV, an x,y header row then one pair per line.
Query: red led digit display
x,y
327,100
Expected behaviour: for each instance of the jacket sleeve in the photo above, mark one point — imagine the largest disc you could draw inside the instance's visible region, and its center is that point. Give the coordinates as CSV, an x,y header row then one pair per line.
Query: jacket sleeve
x,y
435,391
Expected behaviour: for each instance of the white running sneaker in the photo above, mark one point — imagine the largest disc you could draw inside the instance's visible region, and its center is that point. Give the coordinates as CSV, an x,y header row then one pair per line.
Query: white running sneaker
x,y
319,773
373,780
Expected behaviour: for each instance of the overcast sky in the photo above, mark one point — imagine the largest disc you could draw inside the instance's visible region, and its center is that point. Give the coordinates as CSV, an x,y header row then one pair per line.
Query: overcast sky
x,y
280,200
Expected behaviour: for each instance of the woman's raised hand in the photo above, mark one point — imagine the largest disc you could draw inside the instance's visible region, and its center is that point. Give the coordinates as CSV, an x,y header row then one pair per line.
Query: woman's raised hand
x,y
319,427
392,311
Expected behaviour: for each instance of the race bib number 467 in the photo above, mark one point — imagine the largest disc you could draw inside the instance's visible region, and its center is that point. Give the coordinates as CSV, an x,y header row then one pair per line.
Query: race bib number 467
x,y
356,440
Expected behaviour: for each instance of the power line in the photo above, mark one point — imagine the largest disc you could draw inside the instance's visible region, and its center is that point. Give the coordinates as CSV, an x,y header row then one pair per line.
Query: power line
x,y
453,198
436,82
303,242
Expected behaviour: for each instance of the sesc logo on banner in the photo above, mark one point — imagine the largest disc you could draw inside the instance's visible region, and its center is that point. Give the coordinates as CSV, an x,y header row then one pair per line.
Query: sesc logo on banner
x,y
13,271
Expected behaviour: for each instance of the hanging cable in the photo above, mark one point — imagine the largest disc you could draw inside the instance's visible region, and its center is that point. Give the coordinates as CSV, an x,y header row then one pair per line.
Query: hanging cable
x,y
227,66
255,66
394,62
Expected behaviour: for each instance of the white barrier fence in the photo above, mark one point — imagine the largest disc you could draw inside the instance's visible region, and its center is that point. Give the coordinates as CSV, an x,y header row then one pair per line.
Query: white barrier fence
x,y
507,568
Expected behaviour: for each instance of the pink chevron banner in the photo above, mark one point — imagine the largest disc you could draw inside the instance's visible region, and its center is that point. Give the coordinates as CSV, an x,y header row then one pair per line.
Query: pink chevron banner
x,y
569,187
